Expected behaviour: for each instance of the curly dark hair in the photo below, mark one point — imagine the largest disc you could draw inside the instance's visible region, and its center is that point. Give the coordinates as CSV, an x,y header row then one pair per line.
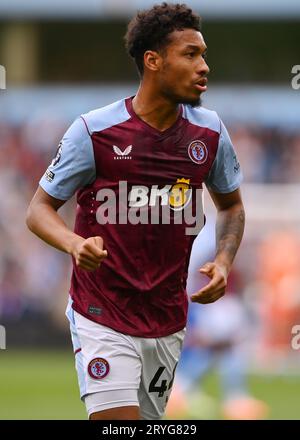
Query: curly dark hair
x,y
150,29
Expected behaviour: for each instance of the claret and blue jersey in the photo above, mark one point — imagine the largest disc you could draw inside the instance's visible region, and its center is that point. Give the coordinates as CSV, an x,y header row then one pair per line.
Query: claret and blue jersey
x,y
139,288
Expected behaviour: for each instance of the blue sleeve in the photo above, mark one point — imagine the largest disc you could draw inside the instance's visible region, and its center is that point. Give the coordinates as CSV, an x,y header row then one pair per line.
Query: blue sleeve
x,y
74,164
225,175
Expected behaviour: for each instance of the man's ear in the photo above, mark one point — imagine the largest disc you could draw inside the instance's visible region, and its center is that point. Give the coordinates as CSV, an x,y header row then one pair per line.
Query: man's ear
x,y
152,60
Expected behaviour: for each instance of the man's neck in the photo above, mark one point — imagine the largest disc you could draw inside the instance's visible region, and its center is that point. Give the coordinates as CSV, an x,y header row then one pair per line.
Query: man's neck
x,y
156,110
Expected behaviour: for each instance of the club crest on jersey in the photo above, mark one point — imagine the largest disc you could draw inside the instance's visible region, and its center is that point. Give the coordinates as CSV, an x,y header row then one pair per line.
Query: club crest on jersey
x,y
180,194
98,368
122,154
198,152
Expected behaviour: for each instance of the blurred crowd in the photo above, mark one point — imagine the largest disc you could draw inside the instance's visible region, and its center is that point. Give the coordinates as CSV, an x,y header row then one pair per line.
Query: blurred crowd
x,y
34,278
267,154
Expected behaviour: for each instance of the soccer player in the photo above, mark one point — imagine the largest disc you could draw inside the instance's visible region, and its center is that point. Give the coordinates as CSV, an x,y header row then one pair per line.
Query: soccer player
x,y
137,166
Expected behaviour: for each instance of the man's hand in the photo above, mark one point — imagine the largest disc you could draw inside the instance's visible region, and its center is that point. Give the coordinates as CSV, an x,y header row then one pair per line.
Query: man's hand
x,y
88,253
215,289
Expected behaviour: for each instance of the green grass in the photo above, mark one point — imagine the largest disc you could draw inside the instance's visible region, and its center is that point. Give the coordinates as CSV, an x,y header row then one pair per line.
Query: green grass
x,y
43,385
39,385
280,392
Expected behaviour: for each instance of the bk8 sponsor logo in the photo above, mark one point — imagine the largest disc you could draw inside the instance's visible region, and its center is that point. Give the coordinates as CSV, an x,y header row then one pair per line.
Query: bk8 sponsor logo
x,y
175,196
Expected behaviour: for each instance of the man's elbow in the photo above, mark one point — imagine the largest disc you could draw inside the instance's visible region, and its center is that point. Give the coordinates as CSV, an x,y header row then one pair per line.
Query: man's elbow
x,y
30,217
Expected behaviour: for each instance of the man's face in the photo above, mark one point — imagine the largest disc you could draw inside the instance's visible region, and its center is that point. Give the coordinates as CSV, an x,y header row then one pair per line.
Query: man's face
x,y
182,77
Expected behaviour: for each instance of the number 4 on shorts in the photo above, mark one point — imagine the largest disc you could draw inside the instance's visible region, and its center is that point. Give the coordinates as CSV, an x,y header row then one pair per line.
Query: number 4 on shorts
x,y
162,388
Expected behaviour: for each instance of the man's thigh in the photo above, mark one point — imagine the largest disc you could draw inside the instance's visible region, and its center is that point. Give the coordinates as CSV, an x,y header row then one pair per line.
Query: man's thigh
x,y
108,367
159,358
113,405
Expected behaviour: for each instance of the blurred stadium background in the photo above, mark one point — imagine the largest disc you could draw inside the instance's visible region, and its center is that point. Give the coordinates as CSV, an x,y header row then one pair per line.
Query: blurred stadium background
x,y
65,57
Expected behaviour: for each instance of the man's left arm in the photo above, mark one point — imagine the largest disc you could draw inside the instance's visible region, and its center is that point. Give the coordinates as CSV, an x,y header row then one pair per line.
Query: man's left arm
x,y
229,232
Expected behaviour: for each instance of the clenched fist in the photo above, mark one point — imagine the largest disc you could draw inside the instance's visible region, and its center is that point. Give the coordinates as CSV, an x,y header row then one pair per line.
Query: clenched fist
x,y
88,253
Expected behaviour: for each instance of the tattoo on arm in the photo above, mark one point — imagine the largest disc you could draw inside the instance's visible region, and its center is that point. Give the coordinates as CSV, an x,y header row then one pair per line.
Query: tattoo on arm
x,y
229,232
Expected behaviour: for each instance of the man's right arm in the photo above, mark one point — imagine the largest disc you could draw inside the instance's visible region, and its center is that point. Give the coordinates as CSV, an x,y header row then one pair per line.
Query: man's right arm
x,y
44,221
72,168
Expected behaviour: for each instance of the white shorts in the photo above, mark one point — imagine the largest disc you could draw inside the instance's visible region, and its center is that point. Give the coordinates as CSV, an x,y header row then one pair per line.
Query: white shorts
x,y
117,370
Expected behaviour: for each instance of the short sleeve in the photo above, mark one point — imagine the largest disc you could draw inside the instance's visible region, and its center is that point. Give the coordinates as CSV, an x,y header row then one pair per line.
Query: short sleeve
x,y
225,175
74,164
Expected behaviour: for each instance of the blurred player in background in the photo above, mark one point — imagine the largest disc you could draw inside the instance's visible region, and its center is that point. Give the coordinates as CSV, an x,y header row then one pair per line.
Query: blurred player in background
x,y
129,163
218,339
